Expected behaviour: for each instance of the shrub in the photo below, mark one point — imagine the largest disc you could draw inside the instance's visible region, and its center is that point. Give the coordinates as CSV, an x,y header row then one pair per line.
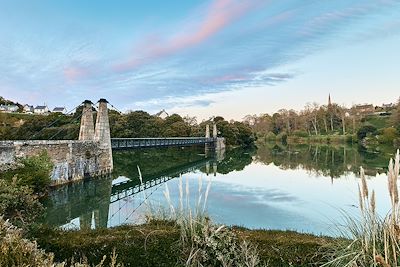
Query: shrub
x,y
35,173
388,135
270,136
17,251
300,133
282,137
18,203
365,130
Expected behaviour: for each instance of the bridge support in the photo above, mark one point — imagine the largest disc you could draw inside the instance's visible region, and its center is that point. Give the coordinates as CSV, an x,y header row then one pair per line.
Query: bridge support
x,y
103,136
86,131
215,132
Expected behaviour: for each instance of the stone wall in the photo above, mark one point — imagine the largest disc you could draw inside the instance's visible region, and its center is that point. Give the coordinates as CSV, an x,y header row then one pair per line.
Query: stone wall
x,y
73,160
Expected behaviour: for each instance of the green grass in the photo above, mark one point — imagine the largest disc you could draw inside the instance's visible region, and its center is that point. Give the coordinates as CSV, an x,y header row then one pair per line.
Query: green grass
x,y
287,248
378,122
157,244
153,244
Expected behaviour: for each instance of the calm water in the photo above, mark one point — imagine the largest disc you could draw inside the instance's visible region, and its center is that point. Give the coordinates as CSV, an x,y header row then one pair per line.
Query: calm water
x,y
301,188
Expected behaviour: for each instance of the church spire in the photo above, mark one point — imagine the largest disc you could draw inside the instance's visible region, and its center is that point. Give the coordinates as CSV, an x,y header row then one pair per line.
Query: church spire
x,y
329,100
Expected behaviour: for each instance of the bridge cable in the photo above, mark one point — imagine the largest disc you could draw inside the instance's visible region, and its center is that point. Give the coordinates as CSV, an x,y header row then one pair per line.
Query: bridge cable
x,y
143,201
54,122
115,108
71,121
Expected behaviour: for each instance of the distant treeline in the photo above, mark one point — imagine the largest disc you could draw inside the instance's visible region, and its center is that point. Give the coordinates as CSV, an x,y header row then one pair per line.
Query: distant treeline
x,y
329,123
131,125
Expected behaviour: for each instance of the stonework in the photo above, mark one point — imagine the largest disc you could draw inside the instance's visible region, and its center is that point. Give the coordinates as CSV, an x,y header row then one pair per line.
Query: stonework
x,y
207,131
86,131
91,155
73,160
215,132
102,132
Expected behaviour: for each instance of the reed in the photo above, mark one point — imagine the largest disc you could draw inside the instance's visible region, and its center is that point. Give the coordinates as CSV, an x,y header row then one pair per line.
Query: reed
x,y
374,240
203,242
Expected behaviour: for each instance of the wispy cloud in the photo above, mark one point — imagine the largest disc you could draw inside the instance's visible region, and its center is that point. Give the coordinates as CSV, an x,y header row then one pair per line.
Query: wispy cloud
x,y
163,61
220,14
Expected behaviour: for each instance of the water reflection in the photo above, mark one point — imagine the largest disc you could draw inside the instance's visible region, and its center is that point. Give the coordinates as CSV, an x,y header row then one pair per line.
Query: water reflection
x,y
274,186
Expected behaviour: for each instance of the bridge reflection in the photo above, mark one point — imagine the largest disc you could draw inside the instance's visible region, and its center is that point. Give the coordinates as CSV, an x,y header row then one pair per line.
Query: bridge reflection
x,y
88,204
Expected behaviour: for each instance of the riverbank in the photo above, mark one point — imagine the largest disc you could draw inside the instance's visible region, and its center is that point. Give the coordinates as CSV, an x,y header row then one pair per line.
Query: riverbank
x,y
158,244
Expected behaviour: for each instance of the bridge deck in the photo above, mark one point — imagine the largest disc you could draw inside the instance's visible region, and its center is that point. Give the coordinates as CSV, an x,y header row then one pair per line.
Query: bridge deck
x,y
125,143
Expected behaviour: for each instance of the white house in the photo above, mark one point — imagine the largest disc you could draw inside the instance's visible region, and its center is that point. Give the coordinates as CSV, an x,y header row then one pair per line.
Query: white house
x,y
28,109
62,110
41,110
8,108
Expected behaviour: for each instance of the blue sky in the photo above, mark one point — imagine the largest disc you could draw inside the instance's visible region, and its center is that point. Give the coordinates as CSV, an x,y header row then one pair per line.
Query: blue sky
x,y
227,57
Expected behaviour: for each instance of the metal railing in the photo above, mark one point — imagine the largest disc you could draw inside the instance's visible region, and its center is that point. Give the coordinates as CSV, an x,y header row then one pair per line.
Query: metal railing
x,y
123,143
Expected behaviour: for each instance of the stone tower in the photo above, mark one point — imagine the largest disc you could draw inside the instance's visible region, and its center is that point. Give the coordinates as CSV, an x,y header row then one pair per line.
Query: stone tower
x,y
86,131
207,131
215,132
102,133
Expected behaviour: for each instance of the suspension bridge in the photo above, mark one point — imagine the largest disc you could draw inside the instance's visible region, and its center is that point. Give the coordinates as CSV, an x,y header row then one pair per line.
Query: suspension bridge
x,y
91,154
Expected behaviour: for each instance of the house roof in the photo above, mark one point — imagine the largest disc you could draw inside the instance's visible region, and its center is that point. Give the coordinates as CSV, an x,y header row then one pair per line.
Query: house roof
x,y
40,107
161,112
59,109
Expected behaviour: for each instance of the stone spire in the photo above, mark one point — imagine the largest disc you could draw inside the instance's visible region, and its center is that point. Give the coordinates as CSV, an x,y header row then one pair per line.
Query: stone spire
x,y
102,131
207,131
86,131
215,132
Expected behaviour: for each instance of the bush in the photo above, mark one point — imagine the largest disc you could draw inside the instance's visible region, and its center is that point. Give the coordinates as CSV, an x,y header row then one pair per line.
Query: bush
x,y
270,136
18,204
17,251
34,173
282,137
300,133
388,135
365,130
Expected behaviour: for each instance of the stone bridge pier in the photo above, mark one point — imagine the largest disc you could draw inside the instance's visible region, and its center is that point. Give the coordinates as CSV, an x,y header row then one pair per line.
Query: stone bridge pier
x,y
73,160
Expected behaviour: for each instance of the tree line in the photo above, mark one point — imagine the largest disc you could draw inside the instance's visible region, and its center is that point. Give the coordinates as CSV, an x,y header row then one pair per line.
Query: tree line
x,y
133,124
326,120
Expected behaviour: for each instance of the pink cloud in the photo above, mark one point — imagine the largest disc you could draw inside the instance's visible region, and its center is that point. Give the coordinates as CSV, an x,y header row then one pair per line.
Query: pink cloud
x,y
75,73
219,15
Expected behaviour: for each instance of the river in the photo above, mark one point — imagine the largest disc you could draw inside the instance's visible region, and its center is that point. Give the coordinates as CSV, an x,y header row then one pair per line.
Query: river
x,y
303,188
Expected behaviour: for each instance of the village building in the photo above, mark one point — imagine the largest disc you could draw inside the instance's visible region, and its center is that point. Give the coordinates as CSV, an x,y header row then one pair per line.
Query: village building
x,y
8,108
62,110
365,109
41,110
28,109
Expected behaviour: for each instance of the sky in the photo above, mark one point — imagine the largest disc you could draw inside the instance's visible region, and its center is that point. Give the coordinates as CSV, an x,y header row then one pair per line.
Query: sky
x,y
200,58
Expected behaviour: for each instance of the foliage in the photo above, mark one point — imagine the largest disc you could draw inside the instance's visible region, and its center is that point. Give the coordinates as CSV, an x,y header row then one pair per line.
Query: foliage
x,y
204,243
18,203
270,136
282,137
388,135
365,130
300,133
374,241
151,244
34,173
18,251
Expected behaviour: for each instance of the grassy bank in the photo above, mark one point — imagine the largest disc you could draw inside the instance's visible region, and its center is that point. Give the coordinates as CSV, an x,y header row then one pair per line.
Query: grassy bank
x,y
158,244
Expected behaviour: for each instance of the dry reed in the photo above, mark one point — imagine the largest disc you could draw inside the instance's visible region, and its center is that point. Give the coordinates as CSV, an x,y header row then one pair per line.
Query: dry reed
x,y
374,241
